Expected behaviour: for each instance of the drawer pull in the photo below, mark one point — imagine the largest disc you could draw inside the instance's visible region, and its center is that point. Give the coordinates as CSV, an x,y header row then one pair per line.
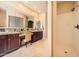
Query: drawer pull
x,y
8,39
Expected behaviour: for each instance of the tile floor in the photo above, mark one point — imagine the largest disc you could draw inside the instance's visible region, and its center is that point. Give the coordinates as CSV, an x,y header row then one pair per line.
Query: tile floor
x,y
37,49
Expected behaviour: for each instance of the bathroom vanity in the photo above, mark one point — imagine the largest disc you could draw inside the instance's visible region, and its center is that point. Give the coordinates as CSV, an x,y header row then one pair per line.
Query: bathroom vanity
x,y
11,28
37,35
9,42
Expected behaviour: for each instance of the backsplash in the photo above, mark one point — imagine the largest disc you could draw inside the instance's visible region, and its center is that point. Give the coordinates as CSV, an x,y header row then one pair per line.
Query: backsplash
x,y
5,29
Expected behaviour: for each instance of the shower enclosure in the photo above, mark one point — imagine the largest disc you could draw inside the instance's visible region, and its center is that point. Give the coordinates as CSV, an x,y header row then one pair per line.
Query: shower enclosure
x,y
67,43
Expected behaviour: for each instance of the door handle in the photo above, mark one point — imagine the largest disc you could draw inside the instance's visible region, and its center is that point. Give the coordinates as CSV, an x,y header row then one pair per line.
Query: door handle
x,y
77,26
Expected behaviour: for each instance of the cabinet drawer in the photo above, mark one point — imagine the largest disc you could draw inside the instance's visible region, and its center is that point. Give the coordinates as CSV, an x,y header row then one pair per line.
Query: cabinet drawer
x,y
14,35
3,36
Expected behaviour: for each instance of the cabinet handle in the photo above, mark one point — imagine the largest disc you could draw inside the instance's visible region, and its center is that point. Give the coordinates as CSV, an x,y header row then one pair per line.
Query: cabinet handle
x,y
8,39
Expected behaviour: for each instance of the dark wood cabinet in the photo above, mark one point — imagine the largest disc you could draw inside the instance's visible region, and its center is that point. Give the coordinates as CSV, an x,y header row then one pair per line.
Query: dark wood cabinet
x,y
13,42
9,43
36,36
3,44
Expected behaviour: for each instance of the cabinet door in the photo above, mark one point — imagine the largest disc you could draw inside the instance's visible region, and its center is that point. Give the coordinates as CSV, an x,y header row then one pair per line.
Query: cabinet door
x,y
13,42
16,40
36,36
3,44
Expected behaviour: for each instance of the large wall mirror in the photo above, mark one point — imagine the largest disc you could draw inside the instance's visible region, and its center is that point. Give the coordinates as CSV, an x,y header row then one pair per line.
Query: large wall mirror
x,y
15,21
38,24
30,24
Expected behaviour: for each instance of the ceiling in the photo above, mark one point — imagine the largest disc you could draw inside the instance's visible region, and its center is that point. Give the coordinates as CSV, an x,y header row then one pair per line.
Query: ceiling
x,y
38,6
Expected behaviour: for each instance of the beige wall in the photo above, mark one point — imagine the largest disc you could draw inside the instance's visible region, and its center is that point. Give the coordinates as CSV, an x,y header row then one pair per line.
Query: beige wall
x,y
54,29
63,25
2,18
75,30
64,7
65,39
